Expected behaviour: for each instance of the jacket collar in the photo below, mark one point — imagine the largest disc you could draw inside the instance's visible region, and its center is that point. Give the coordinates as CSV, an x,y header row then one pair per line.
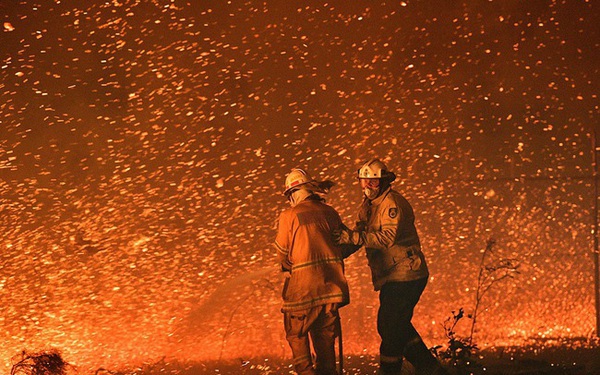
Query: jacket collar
x,y
381,196
299,196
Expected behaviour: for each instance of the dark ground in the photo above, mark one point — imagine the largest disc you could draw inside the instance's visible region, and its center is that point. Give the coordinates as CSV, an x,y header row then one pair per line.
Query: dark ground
x,y
509,361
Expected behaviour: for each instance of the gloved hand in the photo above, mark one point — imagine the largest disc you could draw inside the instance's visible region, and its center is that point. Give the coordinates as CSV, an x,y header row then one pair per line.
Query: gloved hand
x,y
360,226
346,236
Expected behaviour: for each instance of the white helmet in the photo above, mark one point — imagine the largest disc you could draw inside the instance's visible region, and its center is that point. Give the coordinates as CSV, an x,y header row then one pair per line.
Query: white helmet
x,y
295,178
375,168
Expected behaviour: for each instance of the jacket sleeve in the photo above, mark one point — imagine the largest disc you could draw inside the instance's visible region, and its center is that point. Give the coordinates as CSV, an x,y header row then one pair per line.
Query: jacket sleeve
x,y
390,216
283,240
338,225
348,250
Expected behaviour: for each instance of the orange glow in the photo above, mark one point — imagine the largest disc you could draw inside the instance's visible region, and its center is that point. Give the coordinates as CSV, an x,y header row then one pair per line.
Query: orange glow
x,y
143,146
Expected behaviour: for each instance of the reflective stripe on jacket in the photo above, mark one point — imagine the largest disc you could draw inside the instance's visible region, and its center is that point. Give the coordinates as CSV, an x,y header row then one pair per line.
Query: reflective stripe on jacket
x,y
391,241
306,249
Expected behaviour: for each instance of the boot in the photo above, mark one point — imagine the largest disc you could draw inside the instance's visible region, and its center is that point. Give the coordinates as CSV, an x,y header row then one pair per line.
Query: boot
x,y
390,368
422,360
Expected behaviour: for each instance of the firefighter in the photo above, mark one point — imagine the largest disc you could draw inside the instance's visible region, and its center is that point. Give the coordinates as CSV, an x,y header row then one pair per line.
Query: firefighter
x,y
315,286
386,229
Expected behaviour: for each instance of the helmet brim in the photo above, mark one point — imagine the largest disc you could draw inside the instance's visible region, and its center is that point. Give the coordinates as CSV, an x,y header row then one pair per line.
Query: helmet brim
x,y
294,187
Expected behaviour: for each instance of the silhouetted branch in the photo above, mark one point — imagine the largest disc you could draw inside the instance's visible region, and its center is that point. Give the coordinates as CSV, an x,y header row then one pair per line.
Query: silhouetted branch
x,y
264,282
487,278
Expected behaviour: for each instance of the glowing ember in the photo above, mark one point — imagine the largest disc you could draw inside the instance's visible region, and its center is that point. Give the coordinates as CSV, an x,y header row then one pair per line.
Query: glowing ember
x,y
144,145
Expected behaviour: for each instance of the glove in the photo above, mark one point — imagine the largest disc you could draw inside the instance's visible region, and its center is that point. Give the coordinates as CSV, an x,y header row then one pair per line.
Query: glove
x,y
360,226
346,236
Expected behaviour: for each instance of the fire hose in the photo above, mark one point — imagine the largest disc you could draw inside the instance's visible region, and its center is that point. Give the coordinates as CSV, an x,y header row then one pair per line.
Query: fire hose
x,y
340,346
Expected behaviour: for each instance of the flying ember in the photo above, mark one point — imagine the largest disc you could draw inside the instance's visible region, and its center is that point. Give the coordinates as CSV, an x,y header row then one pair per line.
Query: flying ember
x,y
144,147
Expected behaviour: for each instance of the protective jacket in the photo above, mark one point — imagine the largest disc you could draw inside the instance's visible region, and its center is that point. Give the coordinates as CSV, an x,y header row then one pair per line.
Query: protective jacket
x,y
307,251
391,240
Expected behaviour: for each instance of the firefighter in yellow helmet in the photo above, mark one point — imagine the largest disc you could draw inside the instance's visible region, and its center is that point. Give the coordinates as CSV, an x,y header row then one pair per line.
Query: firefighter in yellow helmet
x,y
315,286
386,229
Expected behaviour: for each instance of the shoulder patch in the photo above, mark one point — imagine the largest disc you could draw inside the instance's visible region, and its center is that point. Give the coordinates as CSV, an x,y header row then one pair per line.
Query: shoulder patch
x,y
393,212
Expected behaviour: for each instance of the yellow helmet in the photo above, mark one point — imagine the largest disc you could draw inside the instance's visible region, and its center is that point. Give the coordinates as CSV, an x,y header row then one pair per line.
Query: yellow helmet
x,y
295,178
375,168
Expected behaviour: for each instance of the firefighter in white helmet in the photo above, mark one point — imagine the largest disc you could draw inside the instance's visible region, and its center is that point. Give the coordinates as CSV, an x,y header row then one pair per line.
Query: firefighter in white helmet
x,y
315,286
386,229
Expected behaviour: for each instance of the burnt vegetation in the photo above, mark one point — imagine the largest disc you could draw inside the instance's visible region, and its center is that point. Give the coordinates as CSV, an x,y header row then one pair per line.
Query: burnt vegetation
x,y
40,363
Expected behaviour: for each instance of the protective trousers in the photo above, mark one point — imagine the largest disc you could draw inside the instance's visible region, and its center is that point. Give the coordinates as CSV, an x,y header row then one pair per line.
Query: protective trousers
x,y
319,325
399,338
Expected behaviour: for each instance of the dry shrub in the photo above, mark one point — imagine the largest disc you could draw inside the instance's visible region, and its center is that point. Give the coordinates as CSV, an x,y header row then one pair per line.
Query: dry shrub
x,y
42,363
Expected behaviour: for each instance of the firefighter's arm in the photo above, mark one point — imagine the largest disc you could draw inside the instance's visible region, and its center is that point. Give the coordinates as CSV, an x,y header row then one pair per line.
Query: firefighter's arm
x,y
384,237
348,250
347,236
348,240
283,256
282,242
